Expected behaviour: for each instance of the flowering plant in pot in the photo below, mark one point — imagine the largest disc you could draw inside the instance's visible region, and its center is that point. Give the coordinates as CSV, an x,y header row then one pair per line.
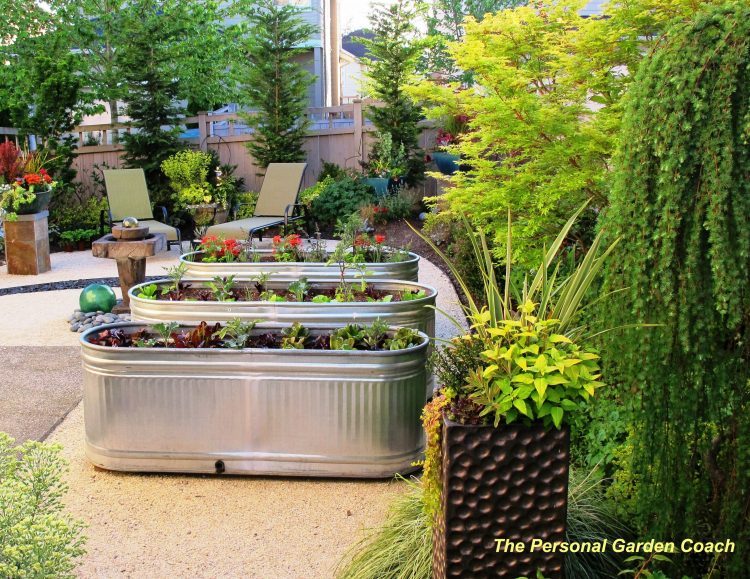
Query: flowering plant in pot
x,y
387,164
444,158
27,187
509,386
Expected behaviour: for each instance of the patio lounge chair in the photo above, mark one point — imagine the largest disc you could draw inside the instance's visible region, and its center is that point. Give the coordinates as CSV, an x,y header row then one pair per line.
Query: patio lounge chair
x,y
276,203
128,197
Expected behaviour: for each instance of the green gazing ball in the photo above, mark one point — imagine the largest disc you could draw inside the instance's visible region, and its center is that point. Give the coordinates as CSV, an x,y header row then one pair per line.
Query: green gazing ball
x,y
97,297
129,222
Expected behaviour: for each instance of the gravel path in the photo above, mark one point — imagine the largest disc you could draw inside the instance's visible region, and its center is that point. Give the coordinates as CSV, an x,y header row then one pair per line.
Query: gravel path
x,y
50,376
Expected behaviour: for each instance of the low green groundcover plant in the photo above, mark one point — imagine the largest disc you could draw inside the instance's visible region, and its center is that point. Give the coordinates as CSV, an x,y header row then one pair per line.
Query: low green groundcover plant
x,y
225,289
37,539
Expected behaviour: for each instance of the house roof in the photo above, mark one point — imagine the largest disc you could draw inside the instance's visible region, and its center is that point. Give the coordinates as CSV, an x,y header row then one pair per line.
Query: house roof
x,y
349,43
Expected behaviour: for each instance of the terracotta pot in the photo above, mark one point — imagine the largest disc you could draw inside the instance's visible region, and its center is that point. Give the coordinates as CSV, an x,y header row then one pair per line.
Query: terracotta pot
x,y
508,483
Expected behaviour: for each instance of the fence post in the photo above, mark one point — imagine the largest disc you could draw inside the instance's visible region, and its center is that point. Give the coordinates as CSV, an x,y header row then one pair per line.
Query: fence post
x,y
359,121
203,130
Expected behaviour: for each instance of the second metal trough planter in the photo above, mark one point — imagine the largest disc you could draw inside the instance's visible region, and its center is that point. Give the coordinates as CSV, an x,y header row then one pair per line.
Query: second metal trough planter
x,y
406,270
253,411
418,314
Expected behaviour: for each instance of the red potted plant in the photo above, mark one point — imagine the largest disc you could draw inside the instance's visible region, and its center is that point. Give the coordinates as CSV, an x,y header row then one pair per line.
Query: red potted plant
x,y
27,187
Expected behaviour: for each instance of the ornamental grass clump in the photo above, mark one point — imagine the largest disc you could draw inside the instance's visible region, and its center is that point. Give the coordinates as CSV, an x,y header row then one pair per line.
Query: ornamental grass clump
x,y
37,538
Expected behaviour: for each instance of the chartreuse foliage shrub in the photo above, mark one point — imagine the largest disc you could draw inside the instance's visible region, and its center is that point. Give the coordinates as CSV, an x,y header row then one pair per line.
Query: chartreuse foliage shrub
x,y
681,205
37,539
544,113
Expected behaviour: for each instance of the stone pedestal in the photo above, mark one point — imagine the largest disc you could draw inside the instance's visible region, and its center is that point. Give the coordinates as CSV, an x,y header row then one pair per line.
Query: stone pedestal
x,y
27,244
131,260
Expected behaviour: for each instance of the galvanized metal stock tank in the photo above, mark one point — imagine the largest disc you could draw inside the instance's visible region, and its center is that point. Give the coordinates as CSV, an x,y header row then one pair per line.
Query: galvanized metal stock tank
x,y
253,411
403,270
418,314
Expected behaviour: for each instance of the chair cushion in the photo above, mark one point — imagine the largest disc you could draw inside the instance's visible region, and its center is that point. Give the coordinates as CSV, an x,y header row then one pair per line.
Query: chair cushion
x,y
281,185
240,229
159,227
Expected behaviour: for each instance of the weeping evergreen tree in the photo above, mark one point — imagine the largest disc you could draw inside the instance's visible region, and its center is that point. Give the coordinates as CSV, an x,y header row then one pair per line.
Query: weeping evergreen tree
x,y
681,203
273,82
393,54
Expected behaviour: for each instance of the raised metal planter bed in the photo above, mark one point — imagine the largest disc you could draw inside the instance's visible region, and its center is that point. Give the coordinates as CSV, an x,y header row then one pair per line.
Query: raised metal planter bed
x,y
403,270
411,314
253,411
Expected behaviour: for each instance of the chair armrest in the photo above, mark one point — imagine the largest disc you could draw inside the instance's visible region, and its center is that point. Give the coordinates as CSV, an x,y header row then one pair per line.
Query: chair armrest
x,y
289,211
164,213
102,220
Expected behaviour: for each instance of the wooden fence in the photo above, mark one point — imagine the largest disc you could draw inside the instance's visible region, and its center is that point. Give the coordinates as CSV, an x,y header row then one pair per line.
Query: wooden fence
x,y
339,134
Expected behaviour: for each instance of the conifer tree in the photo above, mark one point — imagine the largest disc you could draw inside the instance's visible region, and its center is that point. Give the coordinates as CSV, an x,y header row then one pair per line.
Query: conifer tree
x,y
151,98
273,82
393,54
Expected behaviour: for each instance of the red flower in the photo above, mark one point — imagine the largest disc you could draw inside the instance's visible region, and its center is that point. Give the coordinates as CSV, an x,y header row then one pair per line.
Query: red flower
x,y
361,241
276,239
379,239
294,240
206,239
32,178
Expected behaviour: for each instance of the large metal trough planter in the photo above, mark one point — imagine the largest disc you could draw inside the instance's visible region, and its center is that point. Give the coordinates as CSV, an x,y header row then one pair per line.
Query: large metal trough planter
x,y
418,314
253,411
403,270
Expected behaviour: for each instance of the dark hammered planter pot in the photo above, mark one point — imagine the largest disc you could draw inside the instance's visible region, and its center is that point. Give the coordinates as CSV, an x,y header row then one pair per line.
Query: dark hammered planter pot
x,y
39,204
501,483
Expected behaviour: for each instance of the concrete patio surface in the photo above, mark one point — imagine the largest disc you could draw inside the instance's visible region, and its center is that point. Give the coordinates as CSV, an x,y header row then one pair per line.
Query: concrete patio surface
x,y
82,265
156,526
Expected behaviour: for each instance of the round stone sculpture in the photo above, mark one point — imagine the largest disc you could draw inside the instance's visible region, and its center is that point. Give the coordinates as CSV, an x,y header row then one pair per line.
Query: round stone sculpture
x,y
97,297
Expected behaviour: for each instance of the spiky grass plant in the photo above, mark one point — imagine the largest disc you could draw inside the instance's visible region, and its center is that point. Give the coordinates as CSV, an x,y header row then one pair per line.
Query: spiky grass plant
x,y
591,519
400,549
